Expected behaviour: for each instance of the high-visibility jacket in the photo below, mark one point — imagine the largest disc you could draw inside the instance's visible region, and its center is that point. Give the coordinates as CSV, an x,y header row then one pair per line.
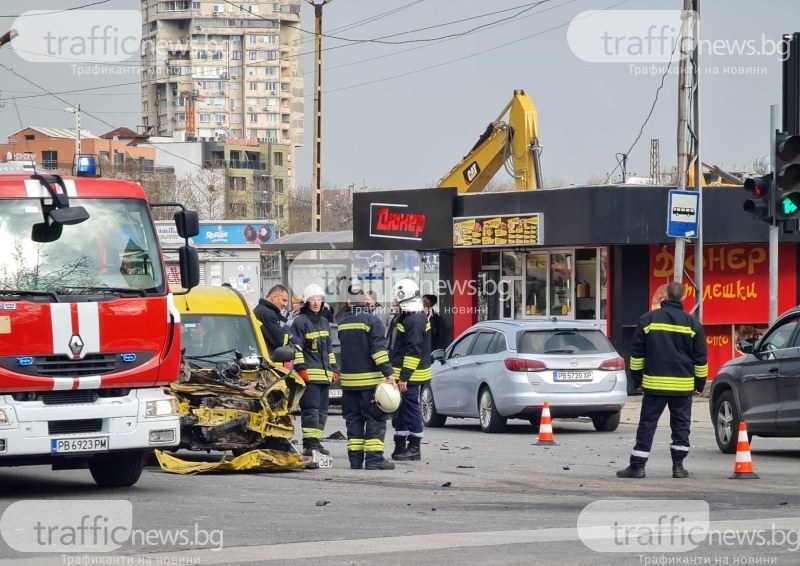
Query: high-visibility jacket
x,y
316,356
275,335
411,350
668,351
363,357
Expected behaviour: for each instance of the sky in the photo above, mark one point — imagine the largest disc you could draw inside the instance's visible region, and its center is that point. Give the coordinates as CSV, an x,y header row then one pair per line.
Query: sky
x,y
401,115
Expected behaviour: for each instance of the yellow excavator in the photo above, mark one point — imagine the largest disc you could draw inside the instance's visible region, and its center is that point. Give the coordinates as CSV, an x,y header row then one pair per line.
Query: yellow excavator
x,y
513,145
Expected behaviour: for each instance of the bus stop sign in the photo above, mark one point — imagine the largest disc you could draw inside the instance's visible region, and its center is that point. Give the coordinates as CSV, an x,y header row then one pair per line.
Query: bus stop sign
x,y
682,214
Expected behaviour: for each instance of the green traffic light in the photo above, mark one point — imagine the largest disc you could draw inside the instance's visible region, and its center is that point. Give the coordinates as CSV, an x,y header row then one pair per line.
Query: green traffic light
x,y
788,207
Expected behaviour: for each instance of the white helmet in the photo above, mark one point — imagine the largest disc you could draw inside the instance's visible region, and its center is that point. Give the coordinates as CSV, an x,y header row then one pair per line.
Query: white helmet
x,y
387,397
405,289
313,290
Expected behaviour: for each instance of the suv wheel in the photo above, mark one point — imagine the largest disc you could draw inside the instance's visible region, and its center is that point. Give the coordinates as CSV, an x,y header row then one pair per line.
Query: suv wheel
x,y
430,418
491,421
726,423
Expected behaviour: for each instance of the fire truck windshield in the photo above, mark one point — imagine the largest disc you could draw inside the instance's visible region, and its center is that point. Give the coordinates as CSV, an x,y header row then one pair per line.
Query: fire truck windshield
x,y
114,250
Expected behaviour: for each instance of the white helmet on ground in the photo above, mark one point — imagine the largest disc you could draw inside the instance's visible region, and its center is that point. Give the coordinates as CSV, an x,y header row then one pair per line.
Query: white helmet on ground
x,y
313,290
387,397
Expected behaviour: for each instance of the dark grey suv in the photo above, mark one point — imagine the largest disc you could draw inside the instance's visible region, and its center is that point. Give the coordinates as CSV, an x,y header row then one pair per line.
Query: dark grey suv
x,y
762,387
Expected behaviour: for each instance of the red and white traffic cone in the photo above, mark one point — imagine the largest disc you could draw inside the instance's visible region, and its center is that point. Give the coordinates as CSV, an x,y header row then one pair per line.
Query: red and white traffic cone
x,y
546,427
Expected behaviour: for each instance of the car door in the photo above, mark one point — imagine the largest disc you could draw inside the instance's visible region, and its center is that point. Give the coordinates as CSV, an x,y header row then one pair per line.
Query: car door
x,y
758,388
445,382
464,392
788,421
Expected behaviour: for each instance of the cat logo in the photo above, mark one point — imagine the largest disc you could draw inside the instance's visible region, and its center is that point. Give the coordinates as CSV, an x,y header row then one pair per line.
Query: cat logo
x,y
471,172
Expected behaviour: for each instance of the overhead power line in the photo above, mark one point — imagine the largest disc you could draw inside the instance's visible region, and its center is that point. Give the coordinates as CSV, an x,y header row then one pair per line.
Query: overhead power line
x,y
56,11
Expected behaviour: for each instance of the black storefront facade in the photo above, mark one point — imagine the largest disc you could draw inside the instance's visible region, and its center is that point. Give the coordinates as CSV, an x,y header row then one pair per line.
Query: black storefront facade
x,y
596,253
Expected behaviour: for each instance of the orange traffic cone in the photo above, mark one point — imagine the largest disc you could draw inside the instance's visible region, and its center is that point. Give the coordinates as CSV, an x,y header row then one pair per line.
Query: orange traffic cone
x,y
743,469
546,427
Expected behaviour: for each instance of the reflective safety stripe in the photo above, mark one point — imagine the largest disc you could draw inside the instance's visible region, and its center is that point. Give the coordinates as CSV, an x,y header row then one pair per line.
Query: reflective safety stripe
x,y
668,383
285,339
637,364
299,358
428,326
319,334
664,327
419,376
352,380
410,362
312,433
355,444
331,358
400,327
701,371
354,326
373,445
640,454
380,357
678,448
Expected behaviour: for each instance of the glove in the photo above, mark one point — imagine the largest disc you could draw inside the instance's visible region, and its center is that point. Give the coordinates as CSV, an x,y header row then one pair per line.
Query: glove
x,y
303,374
335,376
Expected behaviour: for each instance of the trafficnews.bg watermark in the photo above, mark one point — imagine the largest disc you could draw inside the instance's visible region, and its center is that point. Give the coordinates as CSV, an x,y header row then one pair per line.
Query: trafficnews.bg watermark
x,y
652,527
91,526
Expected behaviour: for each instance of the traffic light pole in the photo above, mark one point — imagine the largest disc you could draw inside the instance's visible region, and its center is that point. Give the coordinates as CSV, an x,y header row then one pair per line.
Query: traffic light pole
x,y
774,125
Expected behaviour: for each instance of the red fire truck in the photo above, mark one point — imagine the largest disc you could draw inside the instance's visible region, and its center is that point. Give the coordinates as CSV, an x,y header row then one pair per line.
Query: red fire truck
x,y
88,328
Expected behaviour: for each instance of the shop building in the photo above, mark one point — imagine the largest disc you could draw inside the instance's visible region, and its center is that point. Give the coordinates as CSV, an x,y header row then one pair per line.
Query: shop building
x,y
585,253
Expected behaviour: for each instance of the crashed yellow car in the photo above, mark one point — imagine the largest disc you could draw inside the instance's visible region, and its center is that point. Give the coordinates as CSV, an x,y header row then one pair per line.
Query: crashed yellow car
x,y
231,397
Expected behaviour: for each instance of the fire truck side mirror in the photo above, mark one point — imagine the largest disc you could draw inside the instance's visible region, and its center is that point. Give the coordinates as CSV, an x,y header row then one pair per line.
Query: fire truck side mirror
x,y
188,223
189,266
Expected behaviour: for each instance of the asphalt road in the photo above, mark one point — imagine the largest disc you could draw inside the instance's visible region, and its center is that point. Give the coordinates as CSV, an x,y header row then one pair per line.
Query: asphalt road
x,y
474,497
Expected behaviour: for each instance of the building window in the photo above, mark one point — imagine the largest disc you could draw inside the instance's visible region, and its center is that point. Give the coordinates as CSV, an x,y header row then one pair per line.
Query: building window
x,y
201,54
272,55
252,87
49,159
220,117
277,158
29,137
236,118
216,55
252,39
236,55
271,86
236,183
205,117
278,185
252,55
253,118
270,71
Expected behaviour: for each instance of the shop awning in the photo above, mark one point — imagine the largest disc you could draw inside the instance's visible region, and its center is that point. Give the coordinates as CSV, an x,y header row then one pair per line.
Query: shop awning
x,y
301,241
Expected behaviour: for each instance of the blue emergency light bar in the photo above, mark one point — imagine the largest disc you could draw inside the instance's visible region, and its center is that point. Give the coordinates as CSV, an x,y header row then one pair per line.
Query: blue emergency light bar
x,y
85,166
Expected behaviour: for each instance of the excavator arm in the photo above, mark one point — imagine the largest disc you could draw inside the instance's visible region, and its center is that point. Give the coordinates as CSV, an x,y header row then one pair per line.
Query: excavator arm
x,y
514,145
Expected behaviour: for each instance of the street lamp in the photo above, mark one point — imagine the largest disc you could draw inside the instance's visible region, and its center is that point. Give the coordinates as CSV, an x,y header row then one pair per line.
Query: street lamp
x,y
77,111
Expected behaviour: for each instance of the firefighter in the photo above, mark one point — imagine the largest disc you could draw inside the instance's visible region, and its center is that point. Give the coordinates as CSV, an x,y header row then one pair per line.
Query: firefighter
x,y
365,364
411,359
268,312
316,364
669,362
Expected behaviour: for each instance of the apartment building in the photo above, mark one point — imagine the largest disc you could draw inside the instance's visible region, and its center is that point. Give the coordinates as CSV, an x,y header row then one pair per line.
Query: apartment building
x,y
227,75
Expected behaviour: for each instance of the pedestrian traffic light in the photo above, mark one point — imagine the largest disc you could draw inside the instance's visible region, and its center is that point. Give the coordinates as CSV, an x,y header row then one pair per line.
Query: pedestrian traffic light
x,y
759,204
787,159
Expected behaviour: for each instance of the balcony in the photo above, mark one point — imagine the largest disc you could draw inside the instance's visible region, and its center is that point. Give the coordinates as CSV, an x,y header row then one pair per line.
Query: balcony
x,y
252,165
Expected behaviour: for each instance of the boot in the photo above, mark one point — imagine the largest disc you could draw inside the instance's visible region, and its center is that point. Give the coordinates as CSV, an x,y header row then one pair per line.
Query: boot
x,y
380,465
631,472
399,446
678,471
412,452
321,449
356,460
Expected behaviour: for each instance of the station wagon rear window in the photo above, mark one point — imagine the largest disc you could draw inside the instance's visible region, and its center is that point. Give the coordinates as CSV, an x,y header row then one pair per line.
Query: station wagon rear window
x,y
566,341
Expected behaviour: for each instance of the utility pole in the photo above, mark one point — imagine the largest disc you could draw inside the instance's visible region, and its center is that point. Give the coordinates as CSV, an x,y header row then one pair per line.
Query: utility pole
x,y
316,169
688,143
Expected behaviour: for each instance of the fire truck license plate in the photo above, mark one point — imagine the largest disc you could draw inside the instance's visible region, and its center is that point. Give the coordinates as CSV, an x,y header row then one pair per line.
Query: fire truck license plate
x,y
68,445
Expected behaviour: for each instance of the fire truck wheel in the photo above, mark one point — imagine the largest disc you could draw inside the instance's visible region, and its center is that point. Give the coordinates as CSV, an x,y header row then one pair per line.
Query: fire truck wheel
x,y
117,470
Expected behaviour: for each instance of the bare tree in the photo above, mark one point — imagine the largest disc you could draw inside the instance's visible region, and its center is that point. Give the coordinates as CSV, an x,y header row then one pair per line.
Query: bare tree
x,y
203,191
159,186
299,209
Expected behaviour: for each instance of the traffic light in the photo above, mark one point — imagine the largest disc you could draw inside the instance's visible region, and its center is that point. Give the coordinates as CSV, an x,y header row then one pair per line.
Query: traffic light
x,y
787,159
759,204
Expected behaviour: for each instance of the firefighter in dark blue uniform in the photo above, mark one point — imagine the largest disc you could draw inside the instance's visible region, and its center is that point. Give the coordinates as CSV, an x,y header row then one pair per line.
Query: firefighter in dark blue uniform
x,y
411,359
268,313
365,364
316,364
669,362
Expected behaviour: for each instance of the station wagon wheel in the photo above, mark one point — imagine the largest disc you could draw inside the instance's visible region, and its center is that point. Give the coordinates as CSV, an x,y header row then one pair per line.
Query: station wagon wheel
x,y
726,423
429,415
491,421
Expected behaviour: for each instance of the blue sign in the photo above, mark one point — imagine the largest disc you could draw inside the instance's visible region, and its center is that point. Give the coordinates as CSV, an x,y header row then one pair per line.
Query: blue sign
x,y
222,234
682,217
